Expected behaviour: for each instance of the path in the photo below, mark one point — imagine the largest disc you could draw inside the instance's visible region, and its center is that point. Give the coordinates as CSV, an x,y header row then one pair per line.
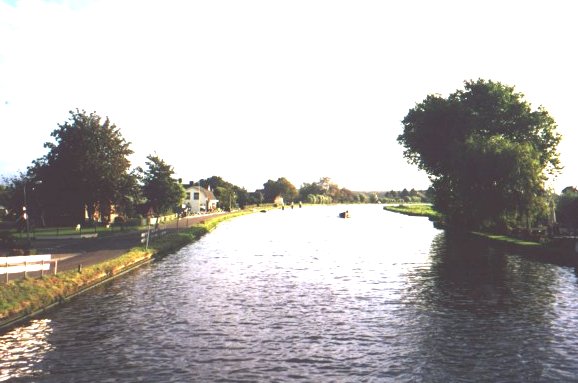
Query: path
x,y
89,251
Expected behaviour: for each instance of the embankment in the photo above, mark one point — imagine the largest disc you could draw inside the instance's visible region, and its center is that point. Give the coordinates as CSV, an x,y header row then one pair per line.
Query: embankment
x,y
416,210
562,251
23,299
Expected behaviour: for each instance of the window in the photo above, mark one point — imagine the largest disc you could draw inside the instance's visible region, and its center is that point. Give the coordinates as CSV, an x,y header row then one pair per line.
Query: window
x,y
196,197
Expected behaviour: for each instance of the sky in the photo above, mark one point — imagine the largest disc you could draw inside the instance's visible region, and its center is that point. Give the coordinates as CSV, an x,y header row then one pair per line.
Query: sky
x,y
258,90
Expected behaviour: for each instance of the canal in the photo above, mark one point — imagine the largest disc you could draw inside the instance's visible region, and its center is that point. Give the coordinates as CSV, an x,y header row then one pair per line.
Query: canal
x,y
301,295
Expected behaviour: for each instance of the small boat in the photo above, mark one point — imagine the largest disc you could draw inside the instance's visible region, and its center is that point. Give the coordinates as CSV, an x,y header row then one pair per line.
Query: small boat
x,y
344,214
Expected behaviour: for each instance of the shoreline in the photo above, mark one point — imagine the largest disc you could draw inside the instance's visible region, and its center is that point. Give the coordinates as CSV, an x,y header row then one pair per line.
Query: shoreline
x,y
560,251
22,300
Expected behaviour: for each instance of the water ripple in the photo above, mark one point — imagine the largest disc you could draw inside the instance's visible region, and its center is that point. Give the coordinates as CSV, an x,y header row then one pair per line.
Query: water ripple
x,y
302,296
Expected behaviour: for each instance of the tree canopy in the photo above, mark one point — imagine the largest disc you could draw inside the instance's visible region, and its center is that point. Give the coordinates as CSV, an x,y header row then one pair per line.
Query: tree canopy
x,y
326,191
163,193
567,208
282,187
486,151
85,169
230,196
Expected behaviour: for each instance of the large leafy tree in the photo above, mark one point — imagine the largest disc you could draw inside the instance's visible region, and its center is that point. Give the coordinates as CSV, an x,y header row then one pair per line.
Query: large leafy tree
x,y
567,207
12,195
163,193
282,187
308,189
230,196
227,197
486,151
86,168
326,191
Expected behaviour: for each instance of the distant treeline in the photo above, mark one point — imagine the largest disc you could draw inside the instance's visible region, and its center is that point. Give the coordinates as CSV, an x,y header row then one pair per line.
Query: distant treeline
x,y
401,196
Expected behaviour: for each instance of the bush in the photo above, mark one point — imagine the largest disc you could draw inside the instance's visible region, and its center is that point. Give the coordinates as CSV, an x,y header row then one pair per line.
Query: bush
x,y
7,240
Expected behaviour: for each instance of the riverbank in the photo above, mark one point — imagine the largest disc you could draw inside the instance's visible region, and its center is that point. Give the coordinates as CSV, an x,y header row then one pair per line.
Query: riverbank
x,y
558,250
23,299
416,210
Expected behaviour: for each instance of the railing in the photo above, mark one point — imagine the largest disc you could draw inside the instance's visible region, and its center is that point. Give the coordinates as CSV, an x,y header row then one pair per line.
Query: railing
x,y
26,264
151,233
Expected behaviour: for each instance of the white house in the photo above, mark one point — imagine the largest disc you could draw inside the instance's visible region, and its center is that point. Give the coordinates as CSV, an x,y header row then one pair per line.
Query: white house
x,y
279,200
199,199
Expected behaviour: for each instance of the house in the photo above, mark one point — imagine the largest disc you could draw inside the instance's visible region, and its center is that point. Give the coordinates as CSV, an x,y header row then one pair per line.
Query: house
x,y
199,200
279,200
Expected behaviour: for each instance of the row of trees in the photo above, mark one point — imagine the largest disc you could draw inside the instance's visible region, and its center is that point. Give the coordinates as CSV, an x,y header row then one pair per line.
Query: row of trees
x,y
324,191
487,152
86,175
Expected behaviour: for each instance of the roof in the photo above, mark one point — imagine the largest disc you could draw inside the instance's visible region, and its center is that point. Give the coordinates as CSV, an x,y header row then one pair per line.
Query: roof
x,y
208,193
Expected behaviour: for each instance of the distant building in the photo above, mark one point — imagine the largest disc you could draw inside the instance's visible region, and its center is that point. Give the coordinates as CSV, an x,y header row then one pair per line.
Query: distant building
x,y
278,200
199,200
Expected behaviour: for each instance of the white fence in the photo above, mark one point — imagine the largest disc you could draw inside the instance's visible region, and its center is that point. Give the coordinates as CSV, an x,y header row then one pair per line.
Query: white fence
x,y
25,264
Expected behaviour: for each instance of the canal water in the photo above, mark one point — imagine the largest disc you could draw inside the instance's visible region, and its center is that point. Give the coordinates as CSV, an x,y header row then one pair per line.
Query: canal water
x,y
301,295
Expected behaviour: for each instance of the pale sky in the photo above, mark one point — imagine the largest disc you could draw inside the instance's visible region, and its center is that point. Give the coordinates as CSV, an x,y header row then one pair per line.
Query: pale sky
x,y
257,90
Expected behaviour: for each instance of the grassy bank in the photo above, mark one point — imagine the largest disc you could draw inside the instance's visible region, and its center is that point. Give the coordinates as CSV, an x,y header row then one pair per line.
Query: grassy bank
x,y
529,245
22,298
422,210
418,210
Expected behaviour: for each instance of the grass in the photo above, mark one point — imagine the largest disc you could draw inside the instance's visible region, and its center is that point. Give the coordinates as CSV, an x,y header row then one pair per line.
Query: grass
x,y
424,210
23,297
70,231
418,210
508,240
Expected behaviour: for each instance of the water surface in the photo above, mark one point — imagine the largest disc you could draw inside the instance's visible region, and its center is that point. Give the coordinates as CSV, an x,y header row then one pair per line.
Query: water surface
x,y
301,295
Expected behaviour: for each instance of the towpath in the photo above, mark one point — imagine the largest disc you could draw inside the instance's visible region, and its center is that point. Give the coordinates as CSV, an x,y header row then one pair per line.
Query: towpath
x,y
89,251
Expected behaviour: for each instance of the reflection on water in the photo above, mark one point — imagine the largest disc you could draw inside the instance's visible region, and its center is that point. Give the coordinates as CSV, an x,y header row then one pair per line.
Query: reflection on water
x,y
488,316
302,295
22,350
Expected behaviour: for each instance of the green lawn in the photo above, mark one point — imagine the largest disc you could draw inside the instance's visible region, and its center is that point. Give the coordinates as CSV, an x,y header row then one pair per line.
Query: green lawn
x,y
419,210
506,239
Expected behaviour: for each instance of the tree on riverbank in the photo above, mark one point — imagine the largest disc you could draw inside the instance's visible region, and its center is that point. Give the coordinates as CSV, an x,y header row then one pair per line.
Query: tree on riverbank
x,y
282,187
230,196
567,208
326,191
84,172
488,154
163,193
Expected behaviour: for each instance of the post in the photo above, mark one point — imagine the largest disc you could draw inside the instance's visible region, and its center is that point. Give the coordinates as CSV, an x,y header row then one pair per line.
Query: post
x,y
25,269
25,215
80,268
148,235
55,266
6,272
42,268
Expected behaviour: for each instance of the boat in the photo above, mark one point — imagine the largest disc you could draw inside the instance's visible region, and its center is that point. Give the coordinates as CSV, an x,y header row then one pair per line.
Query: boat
x,y
344,214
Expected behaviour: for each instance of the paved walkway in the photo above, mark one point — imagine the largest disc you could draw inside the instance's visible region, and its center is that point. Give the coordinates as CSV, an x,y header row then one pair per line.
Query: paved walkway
x,y
89,251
